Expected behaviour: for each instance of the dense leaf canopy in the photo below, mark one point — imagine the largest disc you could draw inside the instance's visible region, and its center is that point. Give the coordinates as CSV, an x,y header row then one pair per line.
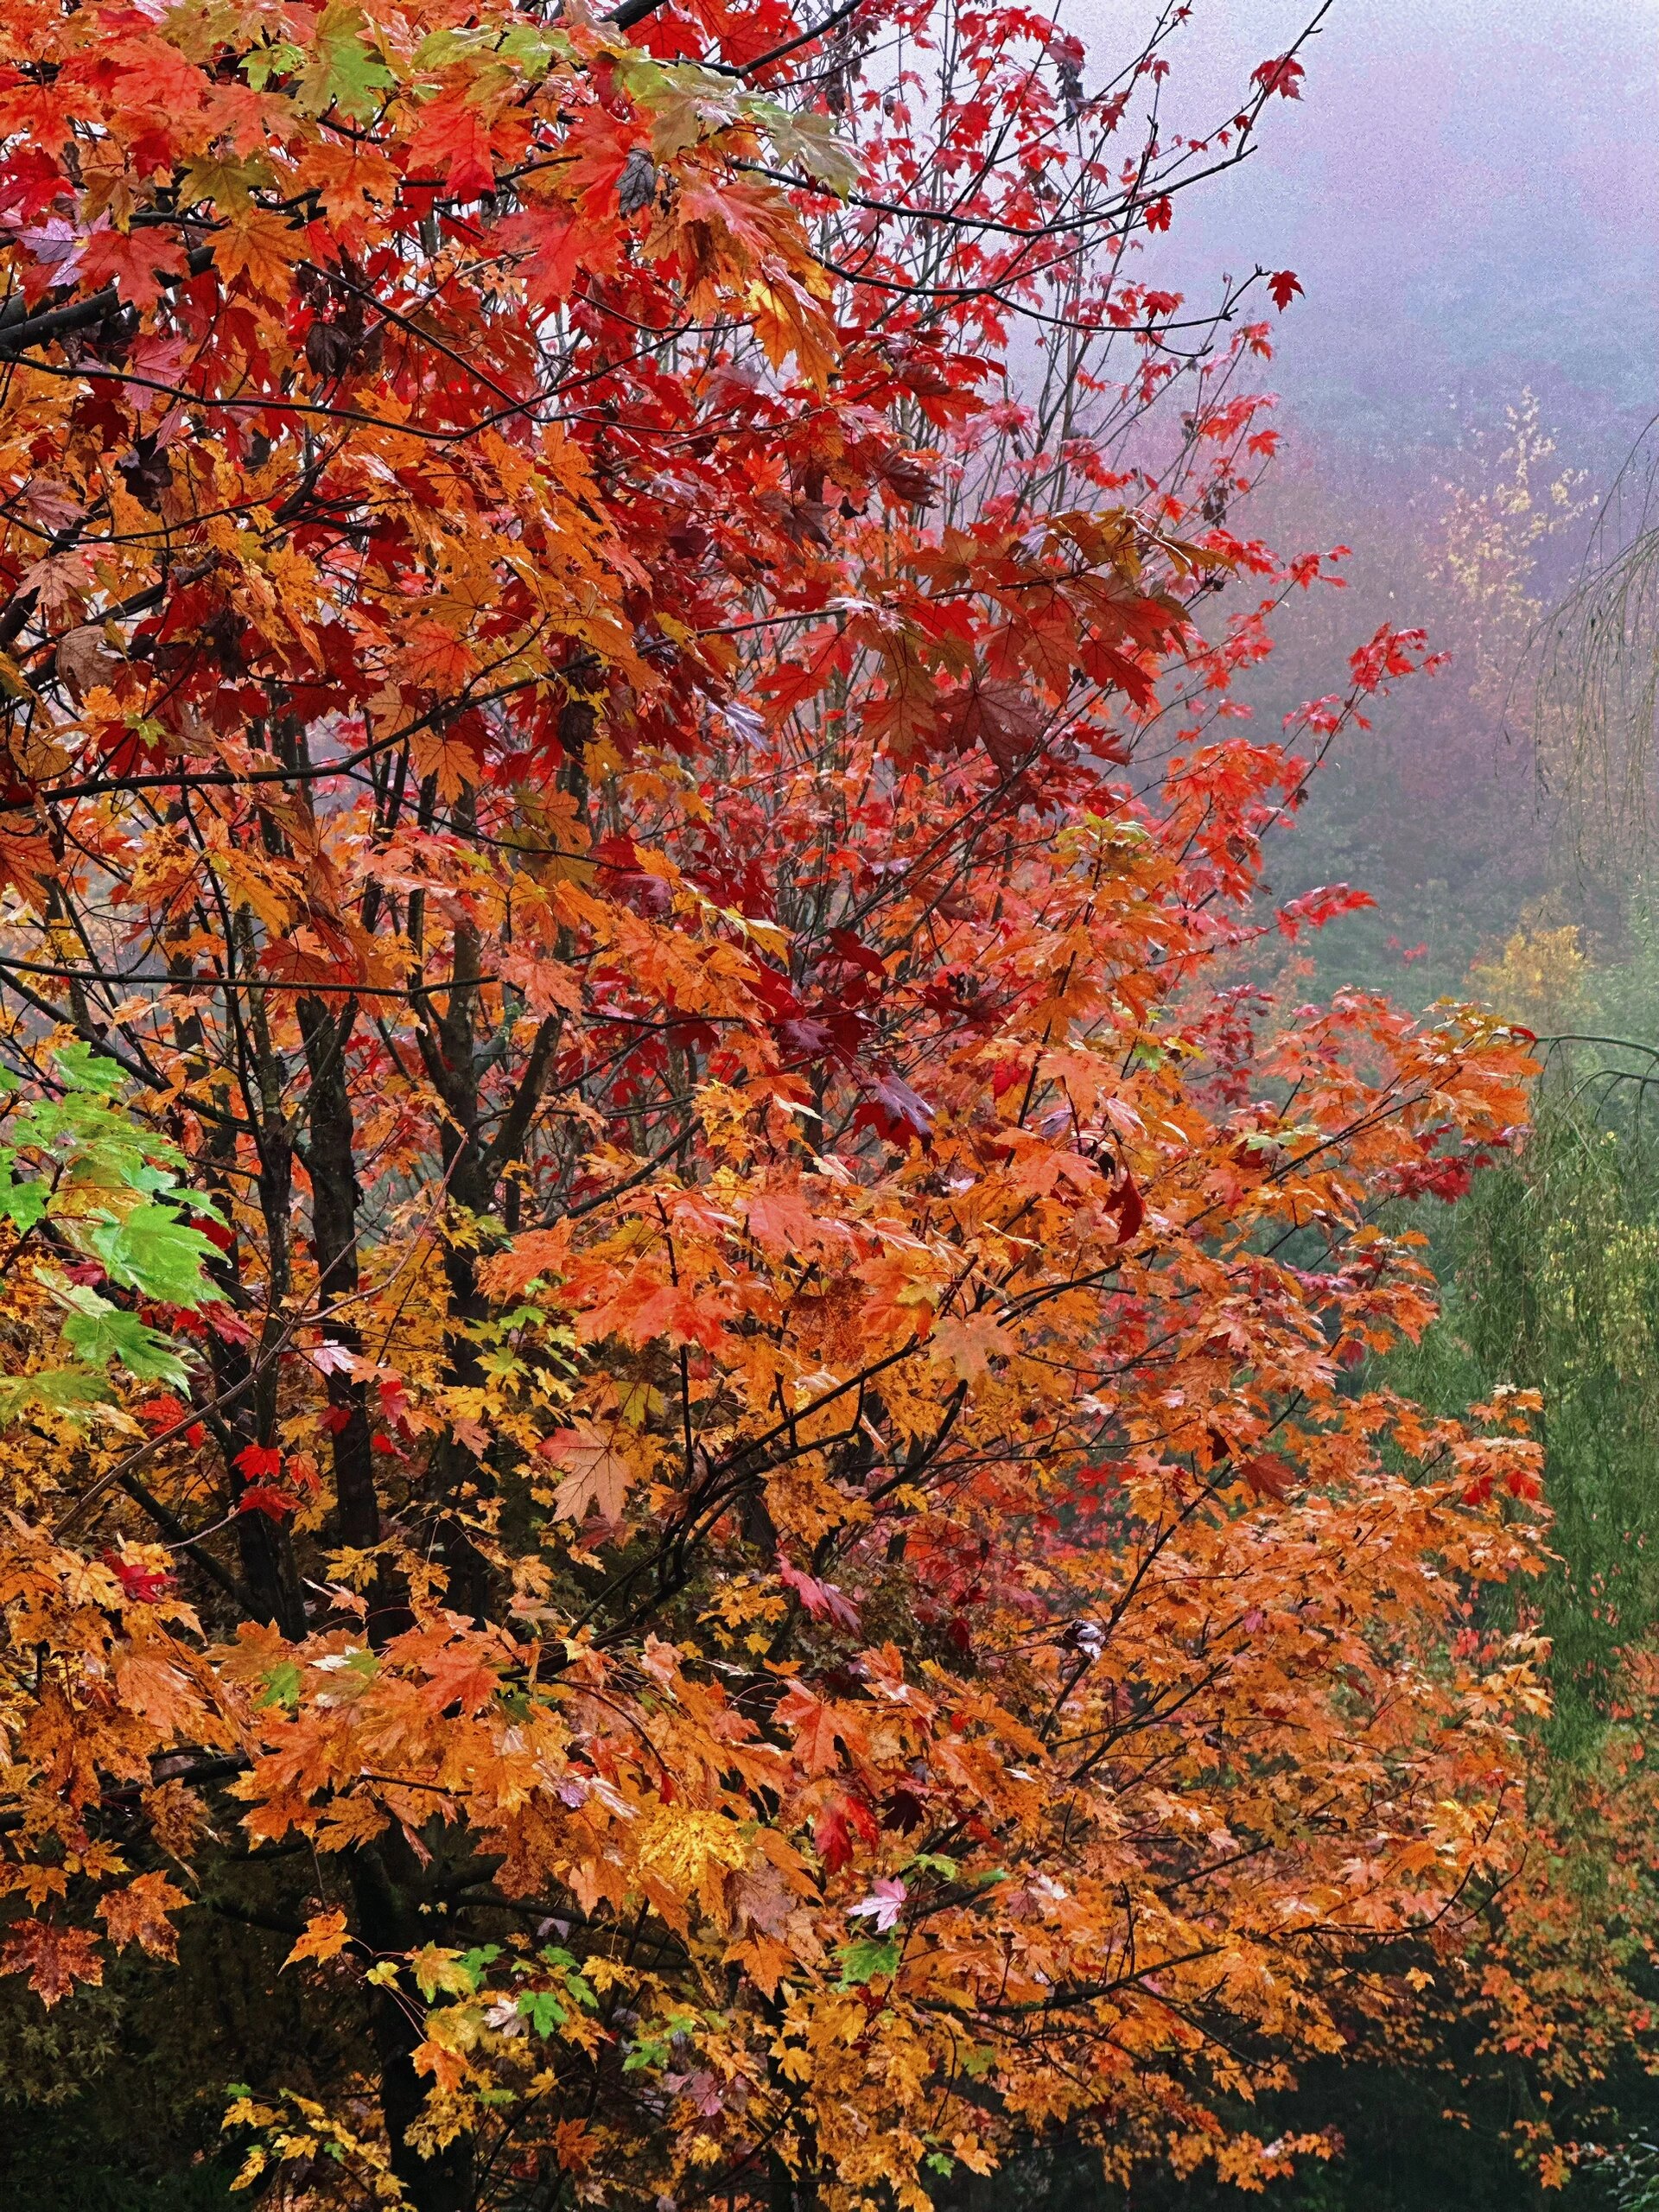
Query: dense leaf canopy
x,y
681,1352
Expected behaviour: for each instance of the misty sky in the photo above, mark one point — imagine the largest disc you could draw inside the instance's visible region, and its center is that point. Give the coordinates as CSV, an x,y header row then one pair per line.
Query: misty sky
x,y
1469,190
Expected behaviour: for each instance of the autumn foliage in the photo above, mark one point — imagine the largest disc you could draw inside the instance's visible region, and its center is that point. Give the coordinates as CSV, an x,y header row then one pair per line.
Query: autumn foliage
x,y
682,1359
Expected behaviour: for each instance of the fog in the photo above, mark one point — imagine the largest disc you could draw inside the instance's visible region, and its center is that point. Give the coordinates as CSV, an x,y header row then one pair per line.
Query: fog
x,y
1469,192
1468,189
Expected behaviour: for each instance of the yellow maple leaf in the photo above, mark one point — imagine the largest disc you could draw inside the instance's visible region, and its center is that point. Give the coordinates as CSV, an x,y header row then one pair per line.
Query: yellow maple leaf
x,y
680,1844
439,1971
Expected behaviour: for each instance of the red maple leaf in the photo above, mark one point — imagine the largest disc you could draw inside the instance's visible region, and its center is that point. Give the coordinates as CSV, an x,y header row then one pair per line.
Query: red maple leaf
x,y
1283,76
1268,1475
136,262
264,1497
141,1585
836,1828
1128,1208
453,140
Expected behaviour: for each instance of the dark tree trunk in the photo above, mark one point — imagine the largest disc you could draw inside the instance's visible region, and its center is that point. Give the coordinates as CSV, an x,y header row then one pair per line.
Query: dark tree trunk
x,y
447,2181
329,1159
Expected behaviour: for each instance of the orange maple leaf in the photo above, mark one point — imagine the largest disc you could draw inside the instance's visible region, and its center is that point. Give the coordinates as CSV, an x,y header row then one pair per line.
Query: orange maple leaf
x,y
325,1935
598,1475
137,1914
55,1959
969,1342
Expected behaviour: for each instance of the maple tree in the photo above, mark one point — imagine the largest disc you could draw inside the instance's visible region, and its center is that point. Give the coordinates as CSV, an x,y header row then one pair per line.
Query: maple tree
x,y
708,1411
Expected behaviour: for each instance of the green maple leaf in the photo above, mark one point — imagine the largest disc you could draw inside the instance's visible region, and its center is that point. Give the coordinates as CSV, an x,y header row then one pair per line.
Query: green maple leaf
x,y
50,1389
871,1955
476,1961
343,72
21,1203
98,1333
266,62
543,2009
809,142
282,1685
150,1250
84,1144
80,1068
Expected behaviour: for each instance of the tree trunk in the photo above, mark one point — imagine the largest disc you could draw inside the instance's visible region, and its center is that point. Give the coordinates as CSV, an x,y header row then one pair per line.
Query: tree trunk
x,y
387,1921
329,1160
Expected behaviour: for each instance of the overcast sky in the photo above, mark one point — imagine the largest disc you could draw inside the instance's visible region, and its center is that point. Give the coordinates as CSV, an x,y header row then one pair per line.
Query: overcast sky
x,y
1469,190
